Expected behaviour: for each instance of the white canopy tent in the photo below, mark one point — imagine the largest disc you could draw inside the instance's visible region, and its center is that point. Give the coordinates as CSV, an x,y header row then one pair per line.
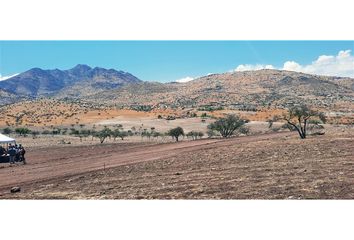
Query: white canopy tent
x,y
6,139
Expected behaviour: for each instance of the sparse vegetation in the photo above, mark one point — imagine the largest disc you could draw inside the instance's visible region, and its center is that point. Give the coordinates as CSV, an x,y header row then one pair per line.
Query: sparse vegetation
x,y
23,131
210,108
7,130
143,108
200,169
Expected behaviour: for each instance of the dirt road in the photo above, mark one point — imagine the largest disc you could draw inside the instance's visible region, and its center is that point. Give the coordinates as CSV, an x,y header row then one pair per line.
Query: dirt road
x,y
58,162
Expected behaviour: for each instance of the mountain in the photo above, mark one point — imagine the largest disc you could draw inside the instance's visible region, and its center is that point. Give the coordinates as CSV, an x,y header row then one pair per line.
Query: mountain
x,y
247,90
78,81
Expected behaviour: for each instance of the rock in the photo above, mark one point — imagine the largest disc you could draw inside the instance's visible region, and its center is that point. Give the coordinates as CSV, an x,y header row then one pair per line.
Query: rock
x,y
178,173
15,189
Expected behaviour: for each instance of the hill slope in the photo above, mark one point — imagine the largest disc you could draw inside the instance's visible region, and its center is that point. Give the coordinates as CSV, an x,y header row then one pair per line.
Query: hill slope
x,y
239,90
8,98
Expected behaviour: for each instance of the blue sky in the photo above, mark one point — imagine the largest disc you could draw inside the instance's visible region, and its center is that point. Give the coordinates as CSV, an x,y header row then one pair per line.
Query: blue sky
x,y
171,60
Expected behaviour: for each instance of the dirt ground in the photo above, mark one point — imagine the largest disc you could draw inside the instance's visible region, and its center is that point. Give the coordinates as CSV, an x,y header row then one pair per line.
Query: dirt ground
x,y
268,166
162,126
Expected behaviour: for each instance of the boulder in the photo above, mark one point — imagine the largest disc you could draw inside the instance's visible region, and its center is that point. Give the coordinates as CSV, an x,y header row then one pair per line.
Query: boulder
x,y
15,189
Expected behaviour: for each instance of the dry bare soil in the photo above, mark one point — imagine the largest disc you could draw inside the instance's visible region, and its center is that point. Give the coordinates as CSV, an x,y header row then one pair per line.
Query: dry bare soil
x,y
268,166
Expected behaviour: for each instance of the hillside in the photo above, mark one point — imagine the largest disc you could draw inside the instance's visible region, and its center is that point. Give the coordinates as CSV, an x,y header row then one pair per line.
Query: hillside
x,y
8,98
78,81
239,90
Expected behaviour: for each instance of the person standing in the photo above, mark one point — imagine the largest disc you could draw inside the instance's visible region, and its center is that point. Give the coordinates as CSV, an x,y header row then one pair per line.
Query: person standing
x,y
2,151
17,158
22,154
12,154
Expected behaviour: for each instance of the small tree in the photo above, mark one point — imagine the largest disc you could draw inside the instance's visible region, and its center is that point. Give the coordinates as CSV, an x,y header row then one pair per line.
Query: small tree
x,y
228,125
146,133
190,134
298,117
156,134
115,133
122,134
176,133
103,134
195,135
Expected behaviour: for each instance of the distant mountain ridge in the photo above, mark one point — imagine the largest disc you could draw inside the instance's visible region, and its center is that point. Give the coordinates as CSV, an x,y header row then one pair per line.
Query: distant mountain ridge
x,y
78,81
248,90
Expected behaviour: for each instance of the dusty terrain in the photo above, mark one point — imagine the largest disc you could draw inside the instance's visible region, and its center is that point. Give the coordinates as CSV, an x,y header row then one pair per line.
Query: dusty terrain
x,y
270,166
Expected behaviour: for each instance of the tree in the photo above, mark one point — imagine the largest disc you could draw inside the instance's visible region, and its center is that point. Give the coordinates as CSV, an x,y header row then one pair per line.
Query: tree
x,y
228,125
121,134
176,133
103,134
115,133
156,134
298,117
146,133
195,135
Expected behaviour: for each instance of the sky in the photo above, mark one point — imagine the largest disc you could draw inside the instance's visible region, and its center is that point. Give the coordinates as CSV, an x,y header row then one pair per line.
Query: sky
x,y
166,61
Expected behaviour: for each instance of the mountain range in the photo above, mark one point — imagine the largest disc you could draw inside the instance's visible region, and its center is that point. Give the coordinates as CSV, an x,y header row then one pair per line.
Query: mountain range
x,y
78,81
232,90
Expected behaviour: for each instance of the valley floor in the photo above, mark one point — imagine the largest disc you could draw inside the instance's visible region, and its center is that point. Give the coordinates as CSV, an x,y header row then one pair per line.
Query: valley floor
x,y
268,166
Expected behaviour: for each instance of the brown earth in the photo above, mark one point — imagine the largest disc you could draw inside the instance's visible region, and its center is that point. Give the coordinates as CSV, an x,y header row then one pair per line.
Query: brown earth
x,y
269,166
48,113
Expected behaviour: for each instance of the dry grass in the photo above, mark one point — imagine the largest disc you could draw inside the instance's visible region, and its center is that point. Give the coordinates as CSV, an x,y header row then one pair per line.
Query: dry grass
x,y
319,167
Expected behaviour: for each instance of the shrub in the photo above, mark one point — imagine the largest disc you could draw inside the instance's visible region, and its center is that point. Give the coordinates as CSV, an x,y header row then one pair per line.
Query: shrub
x,y
22,131
7,130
